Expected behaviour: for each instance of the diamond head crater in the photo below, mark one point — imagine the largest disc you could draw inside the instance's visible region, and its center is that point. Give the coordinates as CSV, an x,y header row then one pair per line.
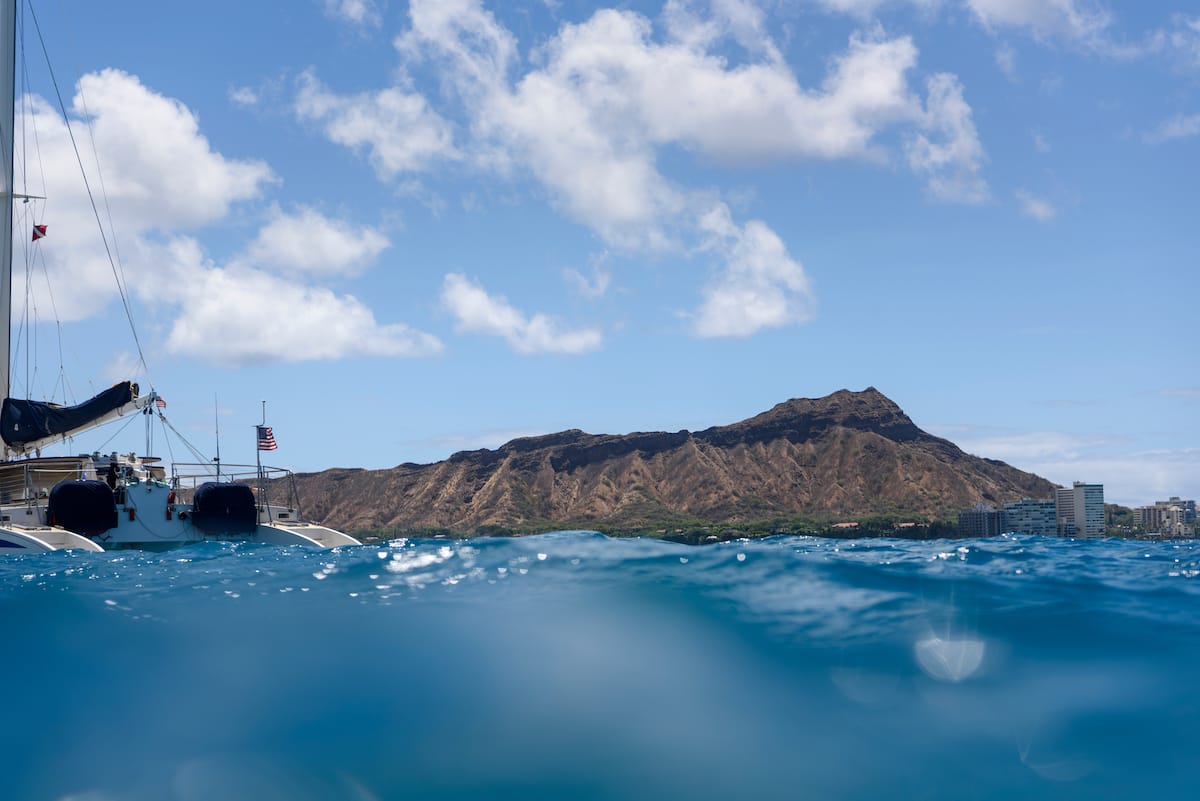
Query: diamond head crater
x,y
850,462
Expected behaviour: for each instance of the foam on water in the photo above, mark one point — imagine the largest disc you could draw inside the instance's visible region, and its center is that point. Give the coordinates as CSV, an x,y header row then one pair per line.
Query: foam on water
x,y
573,666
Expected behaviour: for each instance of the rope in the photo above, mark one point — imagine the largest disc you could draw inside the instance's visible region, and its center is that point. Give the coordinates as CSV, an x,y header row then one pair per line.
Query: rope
x,y
117,273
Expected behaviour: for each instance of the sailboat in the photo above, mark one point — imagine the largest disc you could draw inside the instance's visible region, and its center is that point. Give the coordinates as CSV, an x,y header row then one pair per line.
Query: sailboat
x,y
103,501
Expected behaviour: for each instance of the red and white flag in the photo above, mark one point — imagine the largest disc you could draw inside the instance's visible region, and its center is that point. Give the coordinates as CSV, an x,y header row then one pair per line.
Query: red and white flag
x,y
160,402
38,232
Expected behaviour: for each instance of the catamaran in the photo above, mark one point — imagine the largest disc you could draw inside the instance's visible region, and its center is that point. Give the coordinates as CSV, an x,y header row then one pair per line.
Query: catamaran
x,y
101,501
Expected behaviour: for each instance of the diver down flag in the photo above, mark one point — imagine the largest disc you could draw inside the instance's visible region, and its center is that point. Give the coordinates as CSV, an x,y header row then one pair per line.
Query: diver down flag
x,y
38,232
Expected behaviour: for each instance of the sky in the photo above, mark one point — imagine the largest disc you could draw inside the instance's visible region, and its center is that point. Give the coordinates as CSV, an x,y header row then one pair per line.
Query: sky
x,y
417,228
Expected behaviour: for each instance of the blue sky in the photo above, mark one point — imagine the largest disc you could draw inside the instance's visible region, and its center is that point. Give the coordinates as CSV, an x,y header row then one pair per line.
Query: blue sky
x,y
414,228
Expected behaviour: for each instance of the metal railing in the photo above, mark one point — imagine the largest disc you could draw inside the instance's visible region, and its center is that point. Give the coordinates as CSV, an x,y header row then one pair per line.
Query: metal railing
x,y
31,481
272,486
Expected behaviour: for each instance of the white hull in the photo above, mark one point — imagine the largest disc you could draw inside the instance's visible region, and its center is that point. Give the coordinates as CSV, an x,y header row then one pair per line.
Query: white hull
x,y
16,539
150,514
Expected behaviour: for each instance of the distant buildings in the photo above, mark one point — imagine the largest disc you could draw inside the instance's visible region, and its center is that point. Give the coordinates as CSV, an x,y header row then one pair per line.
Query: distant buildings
x,y
1031,517
1079,510
983,520
1171,518
1075,511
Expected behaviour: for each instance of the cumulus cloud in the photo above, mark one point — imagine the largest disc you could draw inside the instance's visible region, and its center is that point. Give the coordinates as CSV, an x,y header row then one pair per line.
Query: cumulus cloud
x,y
604,97
608,95
1181,126
306,241
760,286
952,157
161,178
243,96
477,312
1079,20
355,12
397,129
160,170
1035,207
223,319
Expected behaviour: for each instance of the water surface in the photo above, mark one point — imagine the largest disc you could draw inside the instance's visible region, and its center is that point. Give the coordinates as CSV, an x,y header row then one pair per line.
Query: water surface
x,y
570,665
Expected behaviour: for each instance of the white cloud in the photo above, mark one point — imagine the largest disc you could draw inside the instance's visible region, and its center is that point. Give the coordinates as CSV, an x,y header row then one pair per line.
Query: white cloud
x,y
1006,60
865,9
243,96
306,241
1035,207
244,316
1032,446
1181,126
761,286
594,287
1183,40
356,12
476,312
1040,143
160,171
1131,478
605,96
161,175
953,165
589,122
1079,20
397,128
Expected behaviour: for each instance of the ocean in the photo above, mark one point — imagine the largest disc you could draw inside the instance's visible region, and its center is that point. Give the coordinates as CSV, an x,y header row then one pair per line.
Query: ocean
x,y
573,666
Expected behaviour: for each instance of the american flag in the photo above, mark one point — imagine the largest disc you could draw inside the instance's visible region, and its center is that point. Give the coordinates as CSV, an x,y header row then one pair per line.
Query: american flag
x,y
266,438
160,402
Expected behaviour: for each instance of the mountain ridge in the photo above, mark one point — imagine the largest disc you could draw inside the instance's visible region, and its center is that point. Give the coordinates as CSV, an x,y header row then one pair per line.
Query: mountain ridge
x,y
847,454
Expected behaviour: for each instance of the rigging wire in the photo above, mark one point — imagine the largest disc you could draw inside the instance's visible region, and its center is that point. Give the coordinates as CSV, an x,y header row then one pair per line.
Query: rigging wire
x,y
108,249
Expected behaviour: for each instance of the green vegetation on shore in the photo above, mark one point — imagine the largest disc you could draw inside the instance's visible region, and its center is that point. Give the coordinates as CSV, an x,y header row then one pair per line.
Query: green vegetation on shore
x,y
697,532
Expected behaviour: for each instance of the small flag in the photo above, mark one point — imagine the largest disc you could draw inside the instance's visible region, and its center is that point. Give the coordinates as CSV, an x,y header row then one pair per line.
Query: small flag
x,y
160,402
266,438
38,232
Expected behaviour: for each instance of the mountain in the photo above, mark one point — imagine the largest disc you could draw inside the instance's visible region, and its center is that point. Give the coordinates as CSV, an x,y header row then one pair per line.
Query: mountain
x,y
849,454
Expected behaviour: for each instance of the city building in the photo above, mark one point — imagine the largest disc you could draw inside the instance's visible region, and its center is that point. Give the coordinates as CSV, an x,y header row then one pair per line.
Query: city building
x,y
1028,516
1171,518
1187,507
1079,510
983,520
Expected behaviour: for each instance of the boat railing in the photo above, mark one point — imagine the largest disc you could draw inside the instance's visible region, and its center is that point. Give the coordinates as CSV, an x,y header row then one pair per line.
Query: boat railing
x,y
30,481
272,486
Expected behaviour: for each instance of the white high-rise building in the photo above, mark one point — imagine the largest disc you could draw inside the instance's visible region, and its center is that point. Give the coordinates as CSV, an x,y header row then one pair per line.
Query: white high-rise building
x,y
1080,510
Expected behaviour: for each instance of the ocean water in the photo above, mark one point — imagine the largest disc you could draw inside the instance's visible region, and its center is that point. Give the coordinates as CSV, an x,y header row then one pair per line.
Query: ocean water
x,y
572,666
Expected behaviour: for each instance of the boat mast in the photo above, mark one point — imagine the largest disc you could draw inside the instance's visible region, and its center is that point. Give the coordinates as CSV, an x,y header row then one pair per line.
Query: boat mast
x,y
8,80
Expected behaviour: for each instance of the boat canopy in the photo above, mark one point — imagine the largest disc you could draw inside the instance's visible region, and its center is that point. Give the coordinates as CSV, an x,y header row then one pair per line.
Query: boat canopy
x,y
25,421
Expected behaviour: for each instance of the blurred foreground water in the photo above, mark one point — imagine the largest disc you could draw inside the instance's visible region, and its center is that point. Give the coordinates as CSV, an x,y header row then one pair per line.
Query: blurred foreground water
x,y
572,666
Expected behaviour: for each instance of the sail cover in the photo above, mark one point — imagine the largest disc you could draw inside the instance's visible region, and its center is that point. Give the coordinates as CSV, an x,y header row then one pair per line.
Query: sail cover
x,y
23,421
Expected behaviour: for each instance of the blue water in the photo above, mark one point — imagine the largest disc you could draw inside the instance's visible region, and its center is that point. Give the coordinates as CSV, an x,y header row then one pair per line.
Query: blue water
x,y
571,666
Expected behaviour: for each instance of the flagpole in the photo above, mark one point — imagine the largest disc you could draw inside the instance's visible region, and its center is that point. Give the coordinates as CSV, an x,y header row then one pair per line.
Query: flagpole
x,y
262,484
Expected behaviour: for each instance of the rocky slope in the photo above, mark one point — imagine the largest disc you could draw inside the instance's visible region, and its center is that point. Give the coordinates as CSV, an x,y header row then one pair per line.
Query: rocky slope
x,y
849,454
